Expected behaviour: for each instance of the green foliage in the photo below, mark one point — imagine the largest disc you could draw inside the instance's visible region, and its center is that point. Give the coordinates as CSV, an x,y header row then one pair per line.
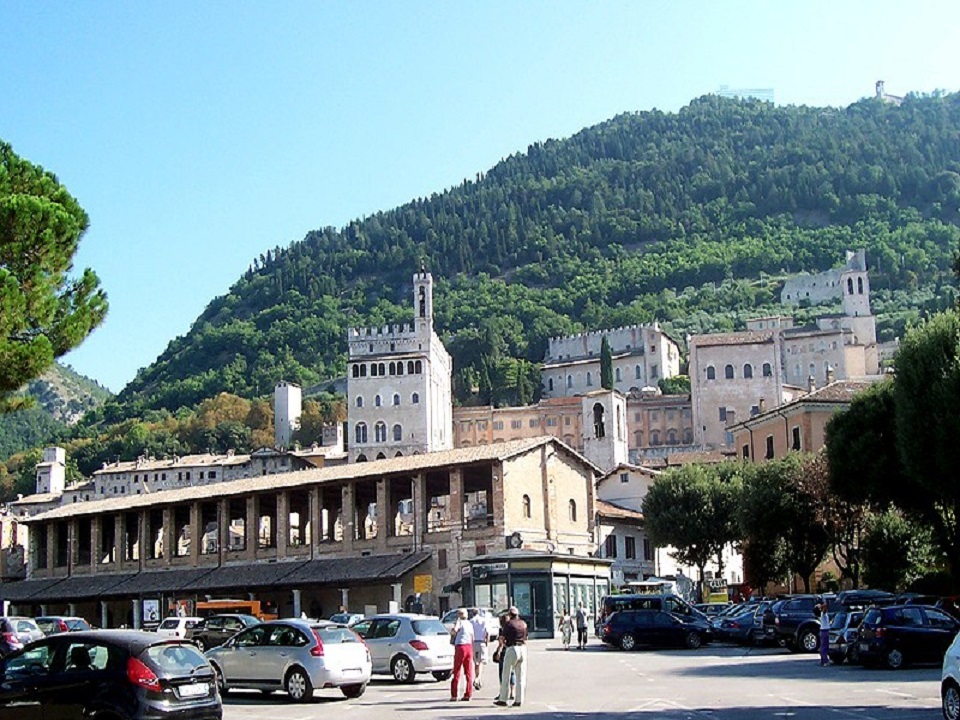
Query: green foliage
x,y
895,551
44,312
691,218
606,365
676,385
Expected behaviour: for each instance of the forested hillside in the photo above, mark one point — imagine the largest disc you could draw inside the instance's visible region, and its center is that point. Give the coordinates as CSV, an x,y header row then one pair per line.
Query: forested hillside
x,y
688,218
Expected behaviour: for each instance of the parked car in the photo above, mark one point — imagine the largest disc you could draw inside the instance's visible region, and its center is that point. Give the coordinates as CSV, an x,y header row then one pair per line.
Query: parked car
x,y
490,620
796,624
844,636
298,656
108,673
9,642
347,618
629,629
712,609
667,602
742,627
405,644
23,628
217,629
901,634
177,627
53,624
950,681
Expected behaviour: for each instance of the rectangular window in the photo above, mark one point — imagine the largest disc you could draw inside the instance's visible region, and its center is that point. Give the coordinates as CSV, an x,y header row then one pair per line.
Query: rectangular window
x,y
745,451
610,546
441,559
201,474
534,422
723,414
516,424
624,477
796,438
551,422
754,410
566,421
630,548
647,550
212,474
498,424
769,454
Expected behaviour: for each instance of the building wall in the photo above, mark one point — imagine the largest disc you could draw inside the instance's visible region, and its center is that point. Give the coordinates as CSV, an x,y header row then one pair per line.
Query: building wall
x,y
659,420
809,418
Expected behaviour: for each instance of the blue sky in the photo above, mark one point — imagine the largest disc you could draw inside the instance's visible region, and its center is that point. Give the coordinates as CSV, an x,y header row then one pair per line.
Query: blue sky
x,y
198,135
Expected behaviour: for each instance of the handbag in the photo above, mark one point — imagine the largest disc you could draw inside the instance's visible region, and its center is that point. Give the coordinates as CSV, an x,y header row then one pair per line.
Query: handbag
x,y
498,654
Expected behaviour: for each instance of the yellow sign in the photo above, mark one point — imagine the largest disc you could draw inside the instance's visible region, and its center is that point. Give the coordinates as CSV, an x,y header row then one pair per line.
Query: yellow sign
x,y
423,583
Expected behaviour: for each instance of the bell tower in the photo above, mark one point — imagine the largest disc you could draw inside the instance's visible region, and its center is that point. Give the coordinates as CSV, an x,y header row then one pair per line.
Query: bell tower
x,y
423,299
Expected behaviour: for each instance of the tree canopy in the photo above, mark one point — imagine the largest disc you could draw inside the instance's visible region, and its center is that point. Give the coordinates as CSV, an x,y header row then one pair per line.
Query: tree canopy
x,y
44,312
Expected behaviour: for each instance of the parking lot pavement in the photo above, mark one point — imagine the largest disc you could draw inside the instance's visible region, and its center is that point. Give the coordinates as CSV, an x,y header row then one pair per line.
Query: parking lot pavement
x,y
712,683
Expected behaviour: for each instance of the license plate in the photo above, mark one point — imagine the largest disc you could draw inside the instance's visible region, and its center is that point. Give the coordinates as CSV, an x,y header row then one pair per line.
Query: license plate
x,y
195,690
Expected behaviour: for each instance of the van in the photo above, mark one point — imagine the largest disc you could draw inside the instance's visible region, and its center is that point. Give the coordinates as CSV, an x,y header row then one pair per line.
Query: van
x,y
666,602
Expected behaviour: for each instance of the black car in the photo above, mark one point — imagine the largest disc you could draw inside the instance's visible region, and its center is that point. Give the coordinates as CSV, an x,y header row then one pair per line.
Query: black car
x,y
110,674
901,634
217,629
629,629
796,624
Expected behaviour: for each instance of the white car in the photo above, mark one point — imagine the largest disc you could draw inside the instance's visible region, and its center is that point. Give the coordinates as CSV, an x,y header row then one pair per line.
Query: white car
x,y
950,681
490,619
176,627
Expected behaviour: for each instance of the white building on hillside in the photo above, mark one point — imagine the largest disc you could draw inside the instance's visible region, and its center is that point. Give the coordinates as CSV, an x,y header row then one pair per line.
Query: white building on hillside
x,y
642,356
399,385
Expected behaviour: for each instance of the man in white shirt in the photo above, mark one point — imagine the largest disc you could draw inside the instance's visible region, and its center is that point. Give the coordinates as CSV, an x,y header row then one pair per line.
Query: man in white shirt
x,y
480,640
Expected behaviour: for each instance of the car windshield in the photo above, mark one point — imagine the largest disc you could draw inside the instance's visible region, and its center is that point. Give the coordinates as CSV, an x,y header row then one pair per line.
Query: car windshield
x,y
429,627
170,624
334,634
838,621
78,624
872,617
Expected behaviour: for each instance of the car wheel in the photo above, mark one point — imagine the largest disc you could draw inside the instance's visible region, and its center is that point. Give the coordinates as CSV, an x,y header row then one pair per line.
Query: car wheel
x,y
809,641
402,669
353,691
442,675
894,658
628,642
693,640
950,704
221,683
298,685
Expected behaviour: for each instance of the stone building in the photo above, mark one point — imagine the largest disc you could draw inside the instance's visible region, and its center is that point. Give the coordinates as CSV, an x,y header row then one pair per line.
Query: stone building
x,y
399,389
363,535
824,287
642,356
798,426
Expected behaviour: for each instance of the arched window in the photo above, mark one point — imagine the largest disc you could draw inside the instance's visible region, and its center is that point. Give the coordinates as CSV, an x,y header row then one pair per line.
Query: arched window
x,y
728,372
418,367
813,370
400,368
415,399
381,456
373,370
638,372
550,384
396,398
380,432
688,436
748,371
361,458
767,370
711,372
393,368
382,368
363,370
569,381
599,429
356,371
589,379
409,367
377,401
617,373
359,401
526,506
654,437
397,433
399,454
859,286
572,509
849,286
360,433
671,437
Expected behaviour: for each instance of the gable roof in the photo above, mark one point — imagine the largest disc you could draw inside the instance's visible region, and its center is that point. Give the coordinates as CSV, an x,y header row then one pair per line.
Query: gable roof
x,y
338,473
613,511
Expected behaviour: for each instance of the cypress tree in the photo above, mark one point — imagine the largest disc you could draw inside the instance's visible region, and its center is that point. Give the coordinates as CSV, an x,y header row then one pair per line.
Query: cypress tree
x,y
606,365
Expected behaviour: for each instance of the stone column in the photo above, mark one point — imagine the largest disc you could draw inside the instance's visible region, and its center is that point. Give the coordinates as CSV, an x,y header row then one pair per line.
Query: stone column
x,y
103,614
456,499
315,522
384,515
73,545
120,540
51,547
296,603
420,509
96,533
251,529
72,609
223,528
137,613
195,533
169,536
349,517
345,598
283,524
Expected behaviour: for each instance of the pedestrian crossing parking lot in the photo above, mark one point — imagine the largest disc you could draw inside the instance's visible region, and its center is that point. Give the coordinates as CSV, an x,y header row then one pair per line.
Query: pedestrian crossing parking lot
x,y
715,682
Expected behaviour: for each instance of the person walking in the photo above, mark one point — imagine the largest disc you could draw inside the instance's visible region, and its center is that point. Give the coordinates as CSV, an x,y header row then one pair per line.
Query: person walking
x,y
498,657
581,626
480,640
824,634
514,659
566,628
462,638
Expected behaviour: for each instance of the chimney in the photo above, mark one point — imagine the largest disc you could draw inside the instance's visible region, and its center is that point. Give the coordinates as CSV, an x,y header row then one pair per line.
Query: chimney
x,y
831,376
811,384
762,405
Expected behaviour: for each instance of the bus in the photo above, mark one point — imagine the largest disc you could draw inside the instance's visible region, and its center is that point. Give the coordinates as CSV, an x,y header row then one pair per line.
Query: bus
x,y
260,610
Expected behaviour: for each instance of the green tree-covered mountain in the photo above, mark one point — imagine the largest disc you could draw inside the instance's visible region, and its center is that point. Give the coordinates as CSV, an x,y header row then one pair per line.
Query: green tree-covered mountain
x,y
690,218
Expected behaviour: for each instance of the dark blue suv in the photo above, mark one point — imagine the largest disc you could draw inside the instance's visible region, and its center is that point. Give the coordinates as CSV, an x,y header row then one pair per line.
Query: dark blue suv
x,y
629,629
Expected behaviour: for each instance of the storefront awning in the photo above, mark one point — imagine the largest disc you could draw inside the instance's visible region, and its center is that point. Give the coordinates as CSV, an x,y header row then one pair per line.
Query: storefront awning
x,y
343,571
68,589
156,582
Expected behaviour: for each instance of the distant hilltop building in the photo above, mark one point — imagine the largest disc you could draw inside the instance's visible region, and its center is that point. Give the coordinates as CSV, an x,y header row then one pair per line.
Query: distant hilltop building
x,y
826,286
764,94
642,355
884,97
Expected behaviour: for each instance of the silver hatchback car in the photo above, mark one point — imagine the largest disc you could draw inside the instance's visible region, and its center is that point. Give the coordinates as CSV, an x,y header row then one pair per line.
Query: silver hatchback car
x,y
298,656
405,644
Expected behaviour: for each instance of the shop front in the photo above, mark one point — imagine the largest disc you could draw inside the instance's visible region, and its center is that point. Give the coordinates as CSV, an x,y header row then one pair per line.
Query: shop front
x,y
540,584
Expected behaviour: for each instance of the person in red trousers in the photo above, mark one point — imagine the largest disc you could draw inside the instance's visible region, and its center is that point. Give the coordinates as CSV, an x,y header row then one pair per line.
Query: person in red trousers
x,y
462,638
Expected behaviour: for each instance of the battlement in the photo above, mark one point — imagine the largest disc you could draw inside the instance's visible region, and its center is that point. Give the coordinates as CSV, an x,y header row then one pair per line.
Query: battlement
x,y
404,331
621,339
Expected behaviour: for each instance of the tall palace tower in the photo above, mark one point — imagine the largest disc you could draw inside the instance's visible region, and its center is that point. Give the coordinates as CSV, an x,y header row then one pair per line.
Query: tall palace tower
x,y
399,391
